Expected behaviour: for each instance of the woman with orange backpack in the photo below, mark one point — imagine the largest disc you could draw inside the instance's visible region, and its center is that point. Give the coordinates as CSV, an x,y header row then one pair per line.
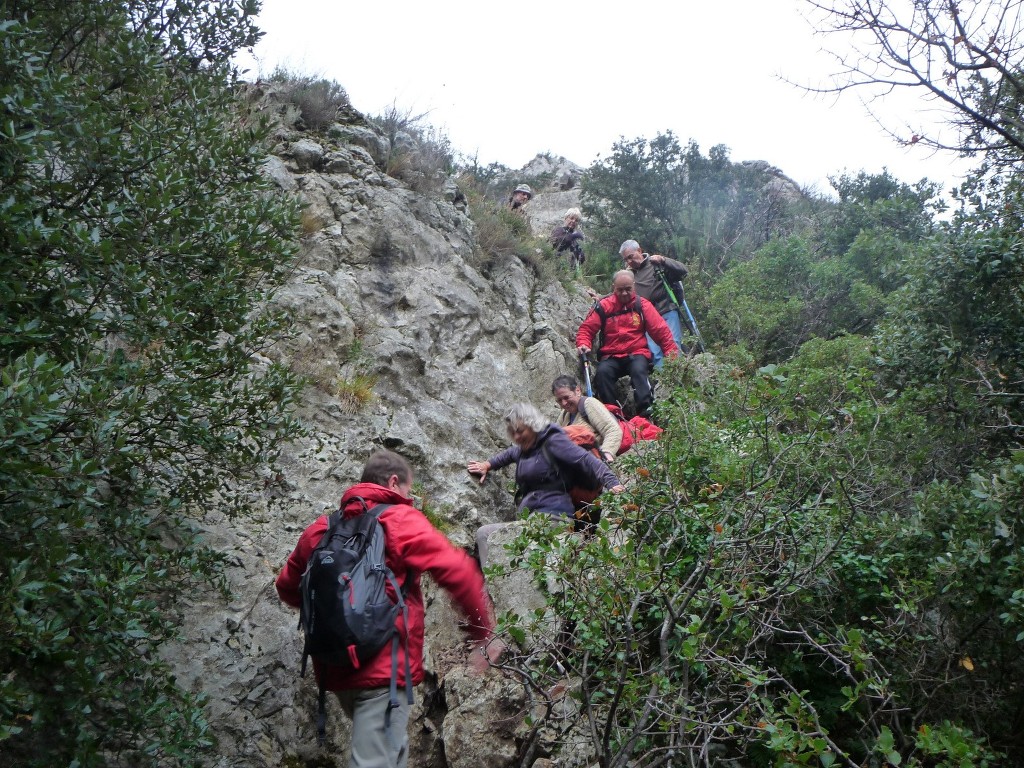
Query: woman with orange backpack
x,y
548,466
613,440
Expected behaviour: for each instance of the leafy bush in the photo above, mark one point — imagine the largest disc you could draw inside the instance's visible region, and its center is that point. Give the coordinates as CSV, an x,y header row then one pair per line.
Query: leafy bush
x,y
139,244
767,593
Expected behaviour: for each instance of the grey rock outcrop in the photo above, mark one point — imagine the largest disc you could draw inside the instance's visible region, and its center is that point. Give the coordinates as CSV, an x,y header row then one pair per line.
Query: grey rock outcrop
x,y
411,340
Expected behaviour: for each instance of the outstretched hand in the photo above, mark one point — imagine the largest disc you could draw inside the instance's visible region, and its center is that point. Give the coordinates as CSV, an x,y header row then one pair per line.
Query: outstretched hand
x,y
617,488
479,468
484,654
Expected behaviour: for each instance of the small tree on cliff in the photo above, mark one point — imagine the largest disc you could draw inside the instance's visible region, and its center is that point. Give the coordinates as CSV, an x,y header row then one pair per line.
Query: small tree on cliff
x,y
137,244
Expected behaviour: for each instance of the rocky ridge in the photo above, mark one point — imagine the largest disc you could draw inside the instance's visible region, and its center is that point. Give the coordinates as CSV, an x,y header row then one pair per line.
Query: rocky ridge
x,y
415,341
391,298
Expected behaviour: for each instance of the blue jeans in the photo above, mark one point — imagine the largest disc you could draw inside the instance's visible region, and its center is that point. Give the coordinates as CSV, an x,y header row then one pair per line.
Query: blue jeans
x,y
672,318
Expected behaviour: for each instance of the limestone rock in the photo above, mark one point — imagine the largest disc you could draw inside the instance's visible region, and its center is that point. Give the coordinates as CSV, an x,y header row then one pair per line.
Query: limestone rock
x,y
484,715
408,340
361,136
307,154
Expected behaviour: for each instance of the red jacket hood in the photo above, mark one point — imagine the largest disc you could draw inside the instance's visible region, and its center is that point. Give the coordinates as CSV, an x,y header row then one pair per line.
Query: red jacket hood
x,y
373,495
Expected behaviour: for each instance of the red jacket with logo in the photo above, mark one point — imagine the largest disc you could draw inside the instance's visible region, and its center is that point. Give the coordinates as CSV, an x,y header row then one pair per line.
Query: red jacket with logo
x,y
624,330
412,547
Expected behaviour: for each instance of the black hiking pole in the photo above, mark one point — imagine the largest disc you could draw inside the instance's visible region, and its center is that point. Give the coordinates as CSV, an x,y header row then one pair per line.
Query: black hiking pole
x,y
586,374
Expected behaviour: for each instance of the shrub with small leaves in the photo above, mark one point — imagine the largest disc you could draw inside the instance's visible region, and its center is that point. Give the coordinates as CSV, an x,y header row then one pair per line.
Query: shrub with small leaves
x,y
138,244
317,98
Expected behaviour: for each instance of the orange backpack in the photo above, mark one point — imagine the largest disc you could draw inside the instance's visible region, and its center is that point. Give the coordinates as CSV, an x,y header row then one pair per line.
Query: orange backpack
x,y
582,496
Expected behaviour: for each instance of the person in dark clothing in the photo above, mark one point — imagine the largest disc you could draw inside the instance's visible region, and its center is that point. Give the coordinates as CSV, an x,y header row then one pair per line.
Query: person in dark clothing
x,y
520,196
649,284
569,237
543,456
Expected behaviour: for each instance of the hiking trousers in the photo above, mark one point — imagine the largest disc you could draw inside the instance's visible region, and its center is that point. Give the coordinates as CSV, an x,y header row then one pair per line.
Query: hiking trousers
x,y
675,325
373,745
611,369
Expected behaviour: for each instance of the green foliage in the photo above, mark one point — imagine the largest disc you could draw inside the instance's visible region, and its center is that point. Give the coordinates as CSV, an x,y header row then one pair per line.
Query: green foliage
x,y
767,591
138,245
675,201
821,562
954,338
879,202
836,276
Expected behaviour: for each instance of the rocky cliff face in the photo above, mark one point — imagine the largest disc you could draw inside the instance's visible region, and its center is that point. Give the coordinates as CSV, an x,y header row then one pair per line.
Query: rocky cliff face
x,y
413,341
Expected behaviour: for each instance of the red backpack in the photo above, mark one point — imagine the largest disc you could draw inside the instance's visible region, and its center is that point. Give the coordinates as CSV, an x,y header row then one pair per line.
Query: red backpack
x,y
637,428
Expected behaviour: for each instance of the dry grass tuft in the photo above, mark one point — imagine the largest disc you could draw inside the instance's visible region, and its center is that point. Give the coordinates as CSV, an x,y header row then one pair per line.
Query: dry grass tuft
x,y
317,98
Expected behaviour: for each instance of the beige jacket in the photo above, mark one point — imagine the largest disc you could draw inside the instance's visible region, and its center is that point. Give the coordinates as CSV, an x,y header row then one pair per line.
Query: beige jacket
x,y
605,426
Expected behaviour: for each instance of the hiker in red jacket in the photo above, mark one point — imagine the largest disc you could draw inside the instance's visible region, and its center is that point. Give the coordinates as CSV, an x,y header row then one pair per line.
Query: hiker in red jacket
x,y
624,320
412,547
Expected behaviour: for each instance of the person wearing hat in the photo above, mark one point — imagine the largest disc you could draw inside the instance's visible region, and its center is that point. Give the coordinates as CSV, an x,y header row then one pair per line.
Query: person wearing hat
x,y
520,196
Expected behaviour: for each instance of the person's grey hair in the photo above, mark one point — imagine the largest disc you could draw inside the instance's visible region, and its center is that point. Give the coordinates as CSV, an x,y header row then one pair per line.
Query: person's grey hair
x,y
524,415
574,212
632,277
629,245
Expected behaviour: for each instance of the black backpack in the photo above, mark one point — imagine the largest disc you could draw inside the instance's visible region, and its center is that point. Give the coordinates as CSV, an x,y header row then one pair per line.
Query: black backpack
x,y
346,614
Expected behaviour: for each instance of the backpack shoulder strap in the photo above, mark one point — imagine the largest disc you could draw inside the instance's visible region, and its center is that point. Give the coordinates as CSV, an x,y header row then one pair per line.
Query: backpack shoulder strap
x,y
378,510
582,408
553,463
599,310
333,521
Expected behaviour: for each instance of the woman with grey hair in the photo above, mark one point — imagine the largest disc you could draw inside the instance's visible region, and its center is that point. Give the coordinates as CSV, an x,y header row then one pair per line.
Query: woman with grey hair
x,y
569,237
544,457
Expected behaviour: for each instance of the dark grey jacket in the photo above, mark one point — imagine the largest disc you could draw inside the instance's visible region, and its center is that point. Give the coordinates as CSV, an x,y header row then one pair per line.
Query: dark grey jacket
x,y
650,286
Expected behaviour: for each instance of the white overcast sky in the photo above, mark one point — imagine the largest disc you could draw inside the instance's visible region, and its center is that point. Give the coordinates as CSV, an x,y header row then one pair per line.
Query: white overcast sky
x,y
506,80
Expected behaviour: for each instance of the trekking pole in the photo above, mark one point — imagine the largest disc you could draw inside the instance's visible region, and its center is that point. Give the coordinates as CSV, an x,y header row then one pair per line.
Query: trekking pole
x,y
680,303
693,325
586,374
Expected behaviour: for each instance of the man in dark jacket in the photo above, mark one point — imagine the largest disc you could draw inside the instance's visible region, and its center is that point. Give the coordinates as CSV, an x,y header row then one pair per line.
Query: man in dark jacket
x,y
651,286
412,547
520,196
624,320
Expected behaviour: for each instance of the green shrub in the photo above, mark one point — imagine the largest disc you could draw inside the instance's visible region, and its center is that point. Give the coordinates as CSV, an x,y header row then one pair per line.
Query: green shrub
x,y
139,246
767,592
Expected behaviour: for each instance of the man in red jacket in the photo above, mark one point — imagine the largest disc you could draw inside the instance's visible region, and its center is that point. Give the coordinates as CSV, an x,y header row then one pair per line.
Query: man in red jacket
x,y
412,546
624,320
